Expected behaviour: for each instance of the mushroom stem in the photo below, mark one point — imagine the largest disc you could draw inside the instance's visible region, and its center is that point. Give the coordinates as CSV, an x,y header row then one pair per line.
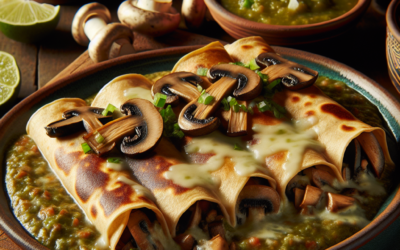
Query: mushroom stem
x,y
121,47
311,197
94,25
155,5
338,202
237,125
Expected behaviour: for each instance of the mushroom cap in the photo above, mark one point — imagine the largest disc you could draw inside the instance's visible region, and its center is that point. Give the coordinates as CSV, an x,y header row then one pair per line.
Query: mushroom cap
x,y
194,12
179,85
86,12
311,197
294,76
99,47
373,150
248,82
148,22
76,119
338,202
151,128
195,127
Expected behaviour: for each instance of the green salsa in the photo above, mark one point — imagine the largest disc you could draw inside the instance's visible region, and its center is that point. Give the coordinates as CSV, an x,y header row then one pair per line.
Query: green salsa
x,y
289,12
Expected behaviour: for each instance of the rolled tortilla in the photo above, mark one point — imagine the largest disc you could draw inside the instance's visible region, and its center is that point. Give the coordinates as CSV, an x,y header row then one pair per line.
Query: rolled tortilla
x,y
246,49
106,196
335,126
173,200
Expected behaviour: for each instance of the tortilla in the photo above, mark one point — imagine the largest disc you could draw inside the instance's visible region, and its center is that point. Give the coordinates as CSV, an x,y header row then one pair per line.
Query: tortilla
x,y
107,196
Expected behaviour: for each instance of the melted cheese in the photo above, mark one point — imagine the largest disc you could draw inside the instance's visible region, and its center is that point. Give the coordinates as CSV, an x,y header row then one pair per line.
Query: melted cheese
x,y
139,189
138,92
270,140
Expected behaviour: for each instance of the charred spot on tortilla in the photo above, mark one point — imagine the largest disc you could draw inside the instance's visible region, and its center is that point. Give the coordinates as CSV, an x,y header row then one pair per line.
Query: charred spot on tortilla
x,y
66,161
337,111
93,211
347,128
85,184
295,99
113,199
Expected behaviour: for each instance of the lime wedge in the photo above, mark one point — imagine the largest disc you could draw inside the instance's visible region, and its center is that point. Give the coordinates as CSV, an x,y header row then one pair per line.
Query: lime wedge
x,y
27,21
9,81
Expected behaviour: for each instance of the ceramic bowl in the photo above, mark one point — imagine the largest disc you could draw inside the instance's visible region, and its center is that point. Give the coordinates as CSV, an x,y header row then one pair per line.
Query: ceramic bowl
x,y
393,42
92,79
239,27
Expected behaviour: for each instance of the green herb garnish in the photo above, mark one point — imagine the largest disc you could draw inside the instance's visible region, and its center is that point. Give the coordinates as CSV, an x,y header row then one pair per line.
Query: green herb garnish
x,y
98,137
253,65
202,71
237,147
159,100
110,109
114,160
225,104
85,147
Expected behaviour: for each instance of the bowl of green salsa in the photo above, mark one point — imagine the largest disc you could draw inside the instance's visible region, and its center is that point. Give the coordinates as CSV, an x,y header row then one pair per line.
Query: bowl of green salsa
x,y
287,22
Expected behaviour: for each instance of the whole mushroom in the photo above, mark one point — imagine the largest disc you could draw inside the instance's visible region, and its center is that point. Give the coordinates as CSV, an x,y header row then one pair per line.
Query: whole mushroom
x,y
150,17
106,41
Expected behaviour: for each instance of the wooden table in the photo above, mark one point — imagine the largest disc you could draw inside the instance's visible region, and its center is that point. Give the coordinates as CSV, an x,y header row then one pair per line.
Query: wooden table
x,y
362,47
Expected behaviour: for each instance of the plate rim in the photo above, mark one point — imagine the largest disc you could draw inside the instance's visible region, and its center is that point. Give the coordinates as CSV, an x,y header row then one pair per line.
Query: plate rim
x,y
377,225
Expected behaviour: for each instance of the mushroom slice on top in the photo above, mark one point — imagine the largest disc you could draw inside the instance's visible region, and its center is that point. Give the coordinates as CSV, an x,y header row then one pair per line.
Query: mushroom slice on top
x,y
195,118
257,200
294,76
179,84
140,129
237,125
338,202
76,119
373,150
142,231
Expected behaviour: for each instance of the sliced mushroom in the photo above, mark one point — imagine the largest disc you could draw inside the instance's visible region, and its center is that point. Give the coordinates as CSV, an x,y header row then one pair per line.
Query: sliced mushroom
x,y
148,21
89,118
194,12
299,181
196,216
320,177
185,241
195,119
298,196
218,243
140,129
373,150
180,85
337,202
142,231
352,158
237,125
90,21
216,228
293,75
261,198
312,196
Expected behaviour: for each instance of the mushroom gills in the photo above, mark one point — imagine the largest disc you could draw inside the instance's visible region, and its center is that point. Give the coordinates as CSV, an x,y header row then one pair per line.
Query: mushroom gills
x,y
88,118
320,177
293,75
142,230
255,201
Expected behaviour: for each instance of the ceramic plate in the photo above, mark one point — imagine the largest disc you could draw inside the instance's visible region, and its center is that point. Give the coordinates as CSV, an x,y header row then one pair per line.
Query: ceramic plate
x,y
91,80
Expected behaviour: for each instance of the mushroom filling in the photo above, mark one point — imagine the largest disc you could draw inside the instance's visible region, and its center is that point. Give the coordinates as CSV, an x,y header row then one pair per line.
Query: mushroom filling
x,y
88,118
204,216
306,191
363,155
143,232
256,199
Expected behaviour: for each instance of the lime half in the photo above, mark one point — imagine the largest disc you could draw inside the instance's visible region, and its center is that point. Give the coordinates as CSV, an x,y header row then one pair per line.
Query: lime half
x,y
27,21
9,81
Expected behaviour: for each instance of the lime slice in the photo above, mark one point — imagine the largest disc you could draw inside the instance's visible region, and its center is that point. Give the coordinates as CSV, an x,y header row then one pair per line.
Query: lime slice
x,y
27,21
9,81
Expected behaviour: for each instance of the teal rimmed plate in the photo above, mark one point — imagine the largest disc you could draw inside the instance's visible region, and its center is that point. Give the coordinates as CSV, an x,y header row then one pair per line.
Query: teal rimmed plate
x,y
91,80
